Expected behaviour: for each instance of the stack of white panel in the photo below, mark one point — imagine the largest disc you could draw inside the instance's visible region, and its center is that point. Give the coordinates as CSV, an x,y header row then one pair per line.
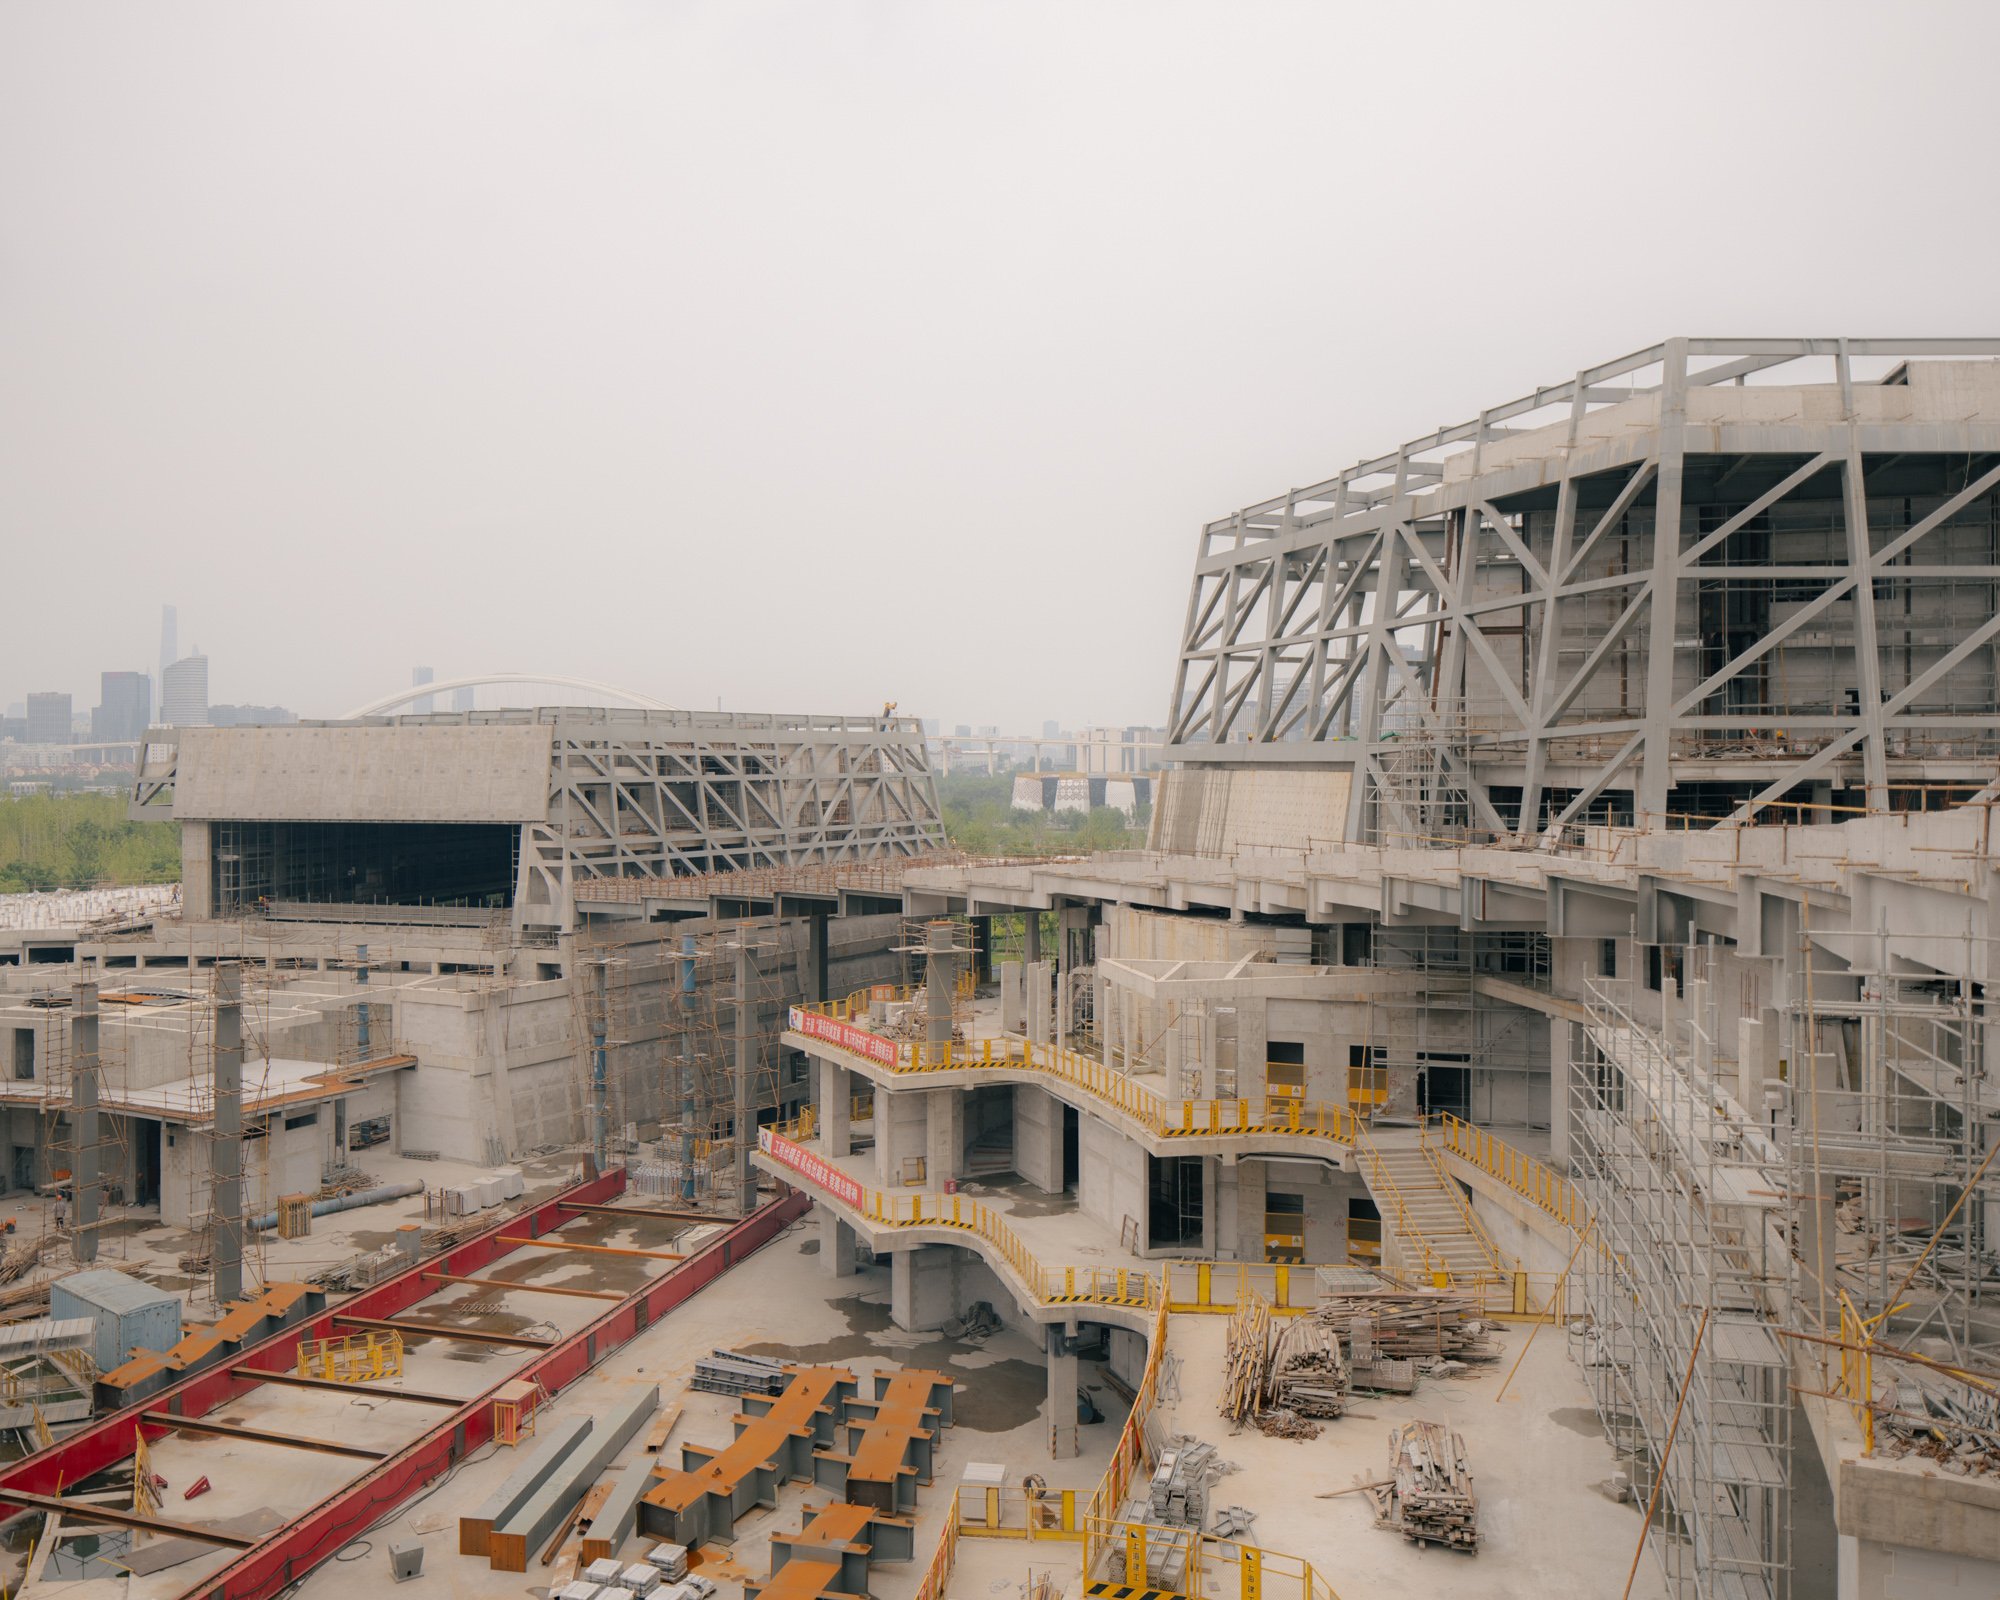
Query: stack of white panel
x,y
606,1571
671,1560
641,1577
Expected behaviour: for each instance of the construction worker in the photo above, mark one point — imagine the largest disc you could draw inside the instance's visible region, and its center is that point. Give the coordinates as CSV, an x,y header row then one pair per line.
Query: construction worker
x,y
62,1210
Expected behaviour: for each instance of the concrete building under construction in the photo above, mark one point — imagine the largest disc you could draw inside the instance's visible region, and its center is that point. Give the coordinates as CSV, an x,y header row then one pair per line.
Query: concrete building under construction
x,y
1566,913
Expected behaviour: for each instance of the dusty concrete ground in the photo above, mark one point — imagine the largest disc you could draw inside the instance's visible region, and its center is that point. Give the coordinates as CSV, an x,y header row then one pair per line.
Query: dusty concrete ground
x,y
778,1303
1536,1457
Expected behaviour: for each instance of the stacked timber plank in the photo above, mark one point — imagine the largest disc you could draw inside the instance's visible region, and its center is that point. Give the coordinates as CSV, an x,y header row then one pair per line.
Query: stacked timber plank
x,y
1429,1497
1308,1375
1404,1325
1247,1360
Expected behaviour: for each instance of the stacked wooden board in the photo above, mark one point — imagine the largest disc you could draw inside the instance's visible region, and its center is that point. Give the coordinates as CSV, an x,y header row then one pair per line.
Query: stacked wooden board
x,y
1428,1498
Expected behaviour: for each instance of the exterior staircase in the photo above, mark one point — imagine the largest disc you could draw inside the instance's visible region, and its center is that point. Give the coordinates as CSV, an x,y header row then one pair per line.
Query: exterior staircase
x,y
1427,1225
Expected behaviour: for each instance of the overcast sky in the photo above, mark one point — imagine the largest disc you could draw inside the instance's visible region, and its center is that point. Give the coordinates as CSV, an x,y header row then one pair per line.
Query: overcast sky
x,y
813,355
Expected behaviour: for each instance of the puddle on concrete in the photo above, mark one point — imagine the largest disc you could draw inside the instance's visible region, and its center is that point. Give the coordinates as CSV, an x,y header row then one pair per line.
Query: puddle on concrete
x,y
1579,1419
809,1247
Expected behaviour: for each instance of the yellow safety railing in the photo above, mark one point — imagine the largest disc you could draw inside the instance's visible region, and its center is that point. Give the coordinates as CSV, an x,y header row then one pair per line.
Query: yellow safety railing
x,y
1212,1567
1463,1206
353,1357
1166,1119
1383,1186
1533,1180
1119,1286
1216,1288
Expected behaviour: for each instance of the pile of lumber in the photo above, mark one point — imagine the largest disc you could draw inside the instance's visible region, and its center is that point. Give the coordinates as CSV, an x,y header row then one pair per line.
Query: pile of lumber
x,y
1428,1497
1246,1364
1407,1325
1308,1374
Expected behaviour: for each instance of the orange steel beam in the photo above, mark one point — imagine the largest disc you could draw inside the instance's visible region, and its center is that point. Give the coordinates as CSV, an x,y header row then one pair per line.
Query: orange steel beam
x,y
595,1249
439,1330
290,1441
417,1396
643,1211
532,1288
85,1512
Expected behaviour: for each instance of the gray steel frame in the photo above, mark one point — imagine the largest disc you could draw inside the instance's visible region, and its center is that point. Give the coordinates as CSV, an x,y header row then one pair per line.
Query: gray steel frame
x,y
1290,650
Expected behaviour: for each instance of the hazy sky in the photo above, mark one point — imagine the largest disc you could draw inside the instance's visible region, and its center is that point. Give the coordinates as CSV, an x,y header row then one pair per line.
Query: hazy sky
x,y
813,355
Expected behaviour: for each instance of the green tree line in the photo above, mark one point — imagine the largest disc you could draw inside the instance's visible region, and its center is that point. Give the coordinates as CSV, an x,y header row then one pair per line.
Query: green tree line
x,y
979,817
80,841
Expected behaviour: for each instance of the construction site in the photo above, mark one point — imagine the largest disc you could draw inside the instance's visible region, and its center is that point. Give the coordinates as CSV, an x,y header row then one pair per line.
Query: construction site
x,y
1520,1127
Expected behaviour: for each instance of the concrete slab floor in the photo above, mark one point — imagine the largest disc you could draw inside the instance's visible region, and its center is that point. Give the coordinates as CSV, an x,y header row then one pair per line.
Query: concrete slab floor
x,y
778,1303
1536,1458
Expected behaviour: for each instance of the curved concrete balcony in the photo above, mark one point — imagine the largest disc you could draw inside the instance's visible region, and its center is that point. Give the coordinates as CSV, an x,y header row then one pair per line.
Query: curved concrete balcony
x,y
1024,1253
1163,1126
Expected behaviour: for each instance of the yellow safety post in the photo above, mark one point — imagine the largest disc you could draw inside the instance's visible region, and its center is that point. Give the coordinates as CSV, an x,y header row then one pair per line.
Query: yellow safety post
x,y
1135,1555
1250,1561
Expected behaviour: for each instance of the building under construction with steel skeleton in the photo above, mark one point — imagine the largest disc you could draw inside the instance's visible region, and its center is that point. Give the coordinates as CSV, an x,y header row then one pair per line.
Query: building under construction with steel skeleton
x,y
1650,874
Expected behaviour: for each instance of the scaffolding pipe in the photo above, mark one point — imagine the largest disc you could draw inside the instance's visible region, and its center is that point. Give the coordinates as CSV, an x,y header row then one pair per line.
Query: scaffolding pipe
x,y
345,1202
687,1068
600,1137
746,1175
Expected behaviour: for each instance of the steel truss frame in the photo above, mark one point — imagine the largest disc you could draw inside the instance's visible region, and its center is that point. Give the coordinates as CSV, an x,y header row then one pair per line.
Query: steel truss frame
x,y
726,794
1331,623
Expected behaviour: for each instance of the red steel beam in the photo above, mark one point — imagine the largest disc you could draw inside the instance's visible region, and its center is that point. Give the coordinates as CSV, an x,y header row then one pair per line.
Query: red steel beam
x,y
281,1558
275,1563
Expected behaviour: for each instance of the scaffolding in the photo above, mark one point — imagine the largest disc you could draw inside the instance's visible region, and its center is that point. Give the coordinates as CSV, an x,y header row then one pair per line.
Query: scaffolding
x,y
1891,1148
1439,1045
1688,1271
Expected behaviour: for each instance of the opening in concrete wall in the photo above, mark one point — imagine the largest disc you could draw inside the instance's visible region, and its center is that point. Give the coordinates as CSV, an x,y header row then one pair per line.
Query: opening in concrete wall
x,y
270,865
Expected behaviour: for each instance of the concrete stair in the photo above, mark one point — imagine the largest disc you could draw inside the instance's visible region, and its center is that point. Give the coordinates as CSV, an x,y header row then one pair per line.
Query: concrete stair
x,y
1433,1213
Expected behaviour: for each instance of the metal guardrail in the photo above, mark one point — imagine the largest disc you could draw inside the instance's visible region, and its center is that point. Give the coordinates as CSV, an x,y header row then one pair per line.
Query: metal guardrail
x,y
1533,1180
1165,1119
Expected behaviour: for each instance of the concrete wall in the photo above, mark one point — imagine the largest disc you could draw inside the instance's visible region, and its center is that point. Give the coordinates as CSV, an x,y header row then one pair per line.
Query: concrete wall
x,y
1111,1177
1213,811
426,773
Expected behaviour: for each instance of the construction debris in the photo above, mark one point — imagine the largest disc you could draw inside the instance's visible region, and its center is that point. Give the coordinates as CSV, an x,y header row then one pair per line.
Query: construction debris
x,y
1429,1499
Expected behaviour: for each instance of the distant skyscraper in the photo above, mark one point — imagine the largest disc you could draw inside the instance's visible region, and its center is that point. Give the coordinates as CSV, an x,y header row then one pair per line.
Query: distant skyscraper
x,y
1052,730
126,706
170,652
463,699
49,719
184,693
422,675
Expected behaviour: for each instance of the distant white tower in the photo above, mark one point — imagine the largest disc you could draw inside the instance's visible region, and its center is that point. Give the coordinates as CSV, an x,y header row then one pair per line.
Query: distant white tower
x,y
169,649
184,693
419,676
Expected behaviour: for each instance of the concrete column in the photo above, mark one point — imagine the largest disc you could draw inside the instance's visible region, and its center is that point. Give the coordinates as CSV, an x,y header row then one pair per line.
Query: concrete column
x,y
814,978
836,1246
833,1093
982,949
940,982
1013,1014
1559,1047
1064,1442
225,1156
921,1288
86,1179
944,1136
1211,1186
1032,950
